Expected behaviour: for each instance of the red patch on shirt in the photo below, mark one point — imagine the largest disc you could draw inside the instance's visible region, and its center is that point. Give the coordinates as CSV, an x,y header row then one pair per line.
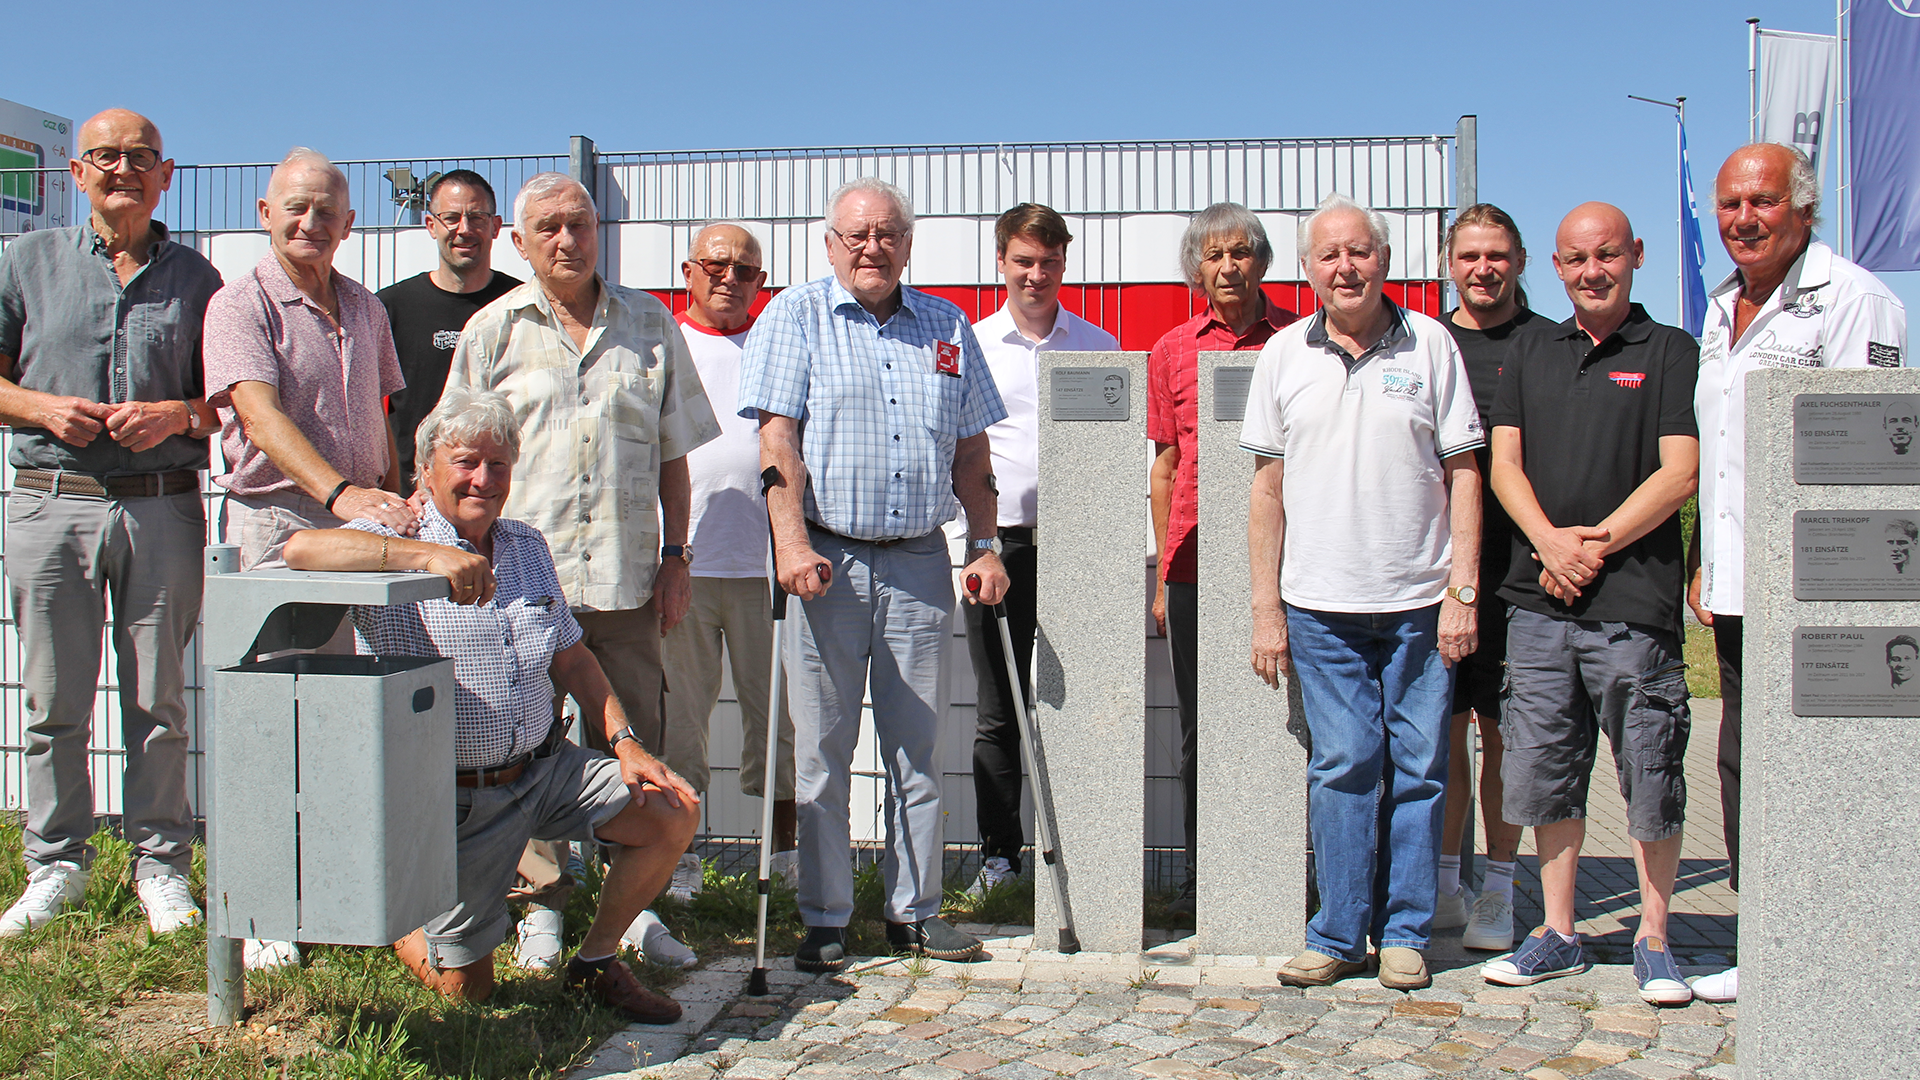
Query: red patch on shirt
x,y
1629,379
946,358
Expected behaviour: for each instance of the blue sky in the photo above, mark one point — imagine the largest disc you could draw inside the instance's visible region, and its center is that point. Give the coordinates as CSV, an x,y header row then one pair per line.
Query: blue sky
x,y
242,82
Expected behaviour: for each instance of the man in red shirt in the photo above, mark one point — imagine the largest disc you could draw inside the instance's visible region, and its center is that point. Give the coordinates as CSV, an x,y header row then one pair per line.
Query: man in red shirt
x,y
1224,255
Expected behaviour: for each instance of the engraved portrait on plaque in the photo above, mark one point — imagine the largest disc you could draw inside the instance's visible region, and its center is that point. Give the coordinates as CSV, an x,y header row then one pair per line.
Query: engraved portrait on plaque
x,y
1856,438
1856,671
1096,393
1855,555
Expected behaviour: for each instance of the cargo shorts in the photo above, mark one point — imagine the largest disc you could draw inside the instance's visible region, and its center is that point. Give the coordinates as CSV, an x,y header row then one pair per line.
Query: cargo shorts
x,y
1568,680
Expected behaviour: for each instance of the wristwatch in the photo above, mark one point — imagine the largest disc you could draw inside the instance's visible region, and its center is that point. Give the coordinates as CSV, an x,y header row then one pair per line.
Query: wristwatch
x,y
613,743
991,543
1466,594
683,552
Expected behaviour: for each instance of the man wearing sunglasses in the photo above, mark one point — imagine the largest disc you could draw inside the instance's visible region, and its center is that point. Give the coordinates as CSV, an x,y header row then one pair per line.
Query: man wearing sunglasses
x,y
429,310
100,379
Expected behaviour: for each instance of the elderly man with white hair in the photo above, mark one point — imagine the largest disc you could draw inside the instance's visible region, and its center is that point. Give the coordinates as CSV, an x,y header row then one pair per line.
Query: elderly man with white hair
x,y
609,404
1365,514
874,402
298,358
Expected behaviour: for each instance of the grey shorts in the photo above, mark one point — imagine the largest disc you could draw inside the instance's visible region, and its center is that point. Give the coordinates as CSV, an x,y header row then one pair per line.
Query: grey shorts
x,y
1569,680
563,797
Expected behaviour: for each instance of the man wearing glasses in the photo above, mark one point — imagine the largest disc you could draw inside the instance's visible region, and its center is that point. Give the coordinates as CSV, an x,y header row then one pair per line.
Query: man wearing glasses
x,y
728,527
429,310
100,379
874,402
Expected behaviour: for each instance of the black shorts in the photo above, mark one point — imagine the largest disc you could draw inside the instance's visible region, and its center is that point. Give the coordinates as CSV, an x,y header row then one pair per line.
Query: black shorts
x,y
1476,685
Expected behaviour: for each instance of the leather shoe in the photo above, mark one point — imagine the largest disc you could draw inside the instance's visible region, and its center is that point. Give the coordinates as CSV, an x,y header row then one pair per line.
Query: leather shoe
x,y
824,950
1312,968
617,987
1403,969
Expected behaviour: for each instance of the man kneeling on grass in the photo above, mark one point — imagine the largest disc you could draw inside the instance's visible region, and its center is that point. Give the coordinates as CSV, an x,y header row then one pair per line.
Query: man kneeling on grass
x,y
513,639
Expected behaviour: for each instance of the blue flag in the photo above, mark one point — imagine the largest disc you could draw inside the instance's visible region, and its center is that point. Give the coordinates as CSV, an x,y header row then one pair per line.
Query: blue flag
x,y
1693,257
1884,114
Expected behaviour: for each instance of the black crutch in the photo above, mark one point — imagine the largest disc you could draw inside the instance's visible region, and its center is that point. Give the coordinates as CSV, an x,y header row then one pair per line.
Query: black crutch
x,y
1042,800
757,982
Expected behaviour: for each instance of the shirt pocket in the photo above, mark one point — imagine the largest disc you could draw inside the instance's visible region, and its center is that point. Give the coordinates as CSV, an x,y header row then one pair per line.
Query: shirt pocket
x,y
161,347
535,622
633,405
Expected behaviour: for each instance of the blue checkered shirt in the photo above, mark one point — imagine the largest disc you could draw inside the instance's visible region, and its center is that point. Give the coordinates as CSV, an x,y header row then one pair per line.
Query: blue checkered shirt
x,y
878,418
502,650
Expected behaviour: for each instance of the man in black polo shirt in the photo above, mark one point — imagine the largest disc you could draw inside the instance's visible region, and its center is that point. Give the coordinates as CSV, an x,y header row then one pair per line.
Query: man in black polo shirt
x,y
429,310
1594,452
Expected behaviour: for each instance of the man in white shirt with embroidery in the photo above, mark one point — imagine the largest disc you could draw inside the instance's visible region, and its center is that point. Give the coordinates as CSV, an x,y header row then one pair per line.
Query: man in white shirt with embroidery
x,y
1790,302
1030,250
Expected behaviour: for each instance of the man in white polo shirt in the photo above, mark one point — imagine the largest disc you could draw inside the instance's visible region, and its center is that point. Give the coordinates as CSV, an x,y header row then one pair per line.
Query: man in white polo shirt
x,y
1030,245
728,528
1365,513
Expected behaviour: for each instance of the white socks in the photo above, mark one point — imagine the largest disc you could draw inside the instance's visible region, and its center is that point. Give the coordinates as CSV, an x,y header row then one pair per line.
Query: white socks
x,y
1450,874
1498,879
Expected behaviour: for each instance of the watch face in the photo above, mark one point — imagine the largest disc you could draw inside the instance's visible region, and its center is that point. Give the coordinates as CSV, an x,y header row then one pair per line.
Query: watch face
x,y
1466,594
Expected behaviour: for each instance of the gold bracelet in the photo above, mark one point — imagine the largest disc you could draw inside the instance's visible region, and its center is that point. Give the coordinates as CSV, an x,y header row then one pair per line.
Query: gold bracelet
x,y
383,556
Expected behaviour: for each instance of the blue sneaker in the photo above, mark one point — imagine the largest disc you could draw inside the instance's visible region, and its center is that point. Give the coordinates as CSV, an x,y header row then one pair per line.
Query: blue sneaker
x,y
1658,976
1544,955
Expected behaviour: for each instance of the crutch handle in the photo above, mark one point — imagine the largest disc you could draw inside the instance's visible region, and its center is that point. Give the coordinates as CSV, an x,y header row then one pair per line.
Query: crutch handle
x,y
973,590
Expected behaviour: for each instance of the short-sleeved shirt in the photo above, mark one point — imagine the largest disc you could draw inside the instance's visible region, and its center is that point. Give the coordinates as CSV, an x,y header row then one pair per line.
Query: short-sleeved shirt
x,y
427,321
880,405
74,331
1485,353
727,520
595,426
1173,417
1363,440
1826,313
502,650
262,328
1591,418
1015,364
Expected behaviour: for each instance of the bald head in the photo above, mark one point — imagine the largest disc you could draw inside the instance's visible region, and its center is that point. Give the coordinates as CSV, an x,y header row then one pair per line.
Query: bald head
x,y
726,234
102,127
308,168
1595,254
122,169
306,212
724,276
1765,200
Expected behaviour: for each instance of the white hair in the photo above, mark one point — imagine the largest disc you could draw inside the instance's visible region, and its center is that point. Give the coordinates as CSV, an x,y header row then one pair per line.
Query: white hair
x,y
1803,184
1336,202
541,186
1222,219
464,415
302,157
902,205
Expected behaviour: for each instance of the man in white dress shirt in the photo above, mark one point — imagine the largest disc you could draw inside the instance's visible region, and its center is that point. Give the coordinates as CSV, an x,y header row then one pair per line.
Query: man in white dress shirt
x,y
1030,245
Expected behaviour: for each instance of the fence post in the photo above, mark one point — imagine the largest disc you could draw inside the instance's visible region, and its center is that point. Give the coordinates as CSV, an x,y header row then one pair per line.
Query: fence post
x,y
583,164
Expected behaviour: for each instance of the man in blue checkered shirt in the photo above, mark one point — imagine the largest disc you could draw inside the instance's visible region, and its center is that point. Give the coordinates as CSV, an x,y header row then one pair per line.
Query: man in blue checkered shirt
x,y
873,402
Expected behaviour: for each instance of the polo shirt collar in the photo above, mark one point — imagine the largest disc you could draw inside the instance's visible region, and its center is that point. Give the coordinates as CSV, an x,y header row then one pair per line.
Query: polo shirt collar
x,y
838,296
98,246
1811,270
1396,333
1636,330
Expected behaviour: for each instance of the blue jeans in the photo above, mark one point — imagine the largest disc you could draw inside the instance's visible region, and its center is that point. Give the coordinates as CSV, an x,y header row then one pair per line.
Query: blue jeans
x,y
1377,697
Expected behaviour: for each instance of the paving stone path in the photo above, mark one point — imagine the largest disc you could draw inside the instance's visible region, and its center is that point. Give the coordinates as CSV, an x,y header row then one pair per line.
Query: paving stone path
x,y
1027,1014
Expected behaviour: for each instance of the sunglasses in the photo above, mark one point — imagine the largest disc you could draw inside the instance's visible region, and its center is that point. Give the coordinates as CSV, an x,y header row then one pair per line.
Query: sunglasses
x,y
720,269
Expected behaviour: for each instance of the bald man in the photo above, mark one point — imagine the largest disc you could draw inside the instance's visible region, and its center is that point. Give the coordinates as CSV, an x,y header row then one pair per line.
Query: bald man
x,y
1594,452
100,379
299,357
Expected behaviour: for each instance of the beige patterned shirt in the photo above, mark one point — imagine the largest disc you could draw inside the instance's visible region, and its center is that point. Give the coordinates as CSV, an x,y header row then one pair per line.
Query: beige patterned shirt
x,y
595,424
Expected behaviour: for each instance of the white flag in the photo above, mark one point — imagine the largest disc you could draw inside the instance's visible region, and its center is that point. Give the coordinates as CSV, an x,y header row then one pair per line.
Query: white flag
x,y
1796,93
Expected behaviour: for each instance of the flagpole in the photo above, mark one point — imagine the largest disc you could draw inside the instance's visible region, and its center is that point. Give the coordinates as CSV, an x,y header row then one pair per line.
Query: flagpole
x,y
1843,108
1753,81
1679,107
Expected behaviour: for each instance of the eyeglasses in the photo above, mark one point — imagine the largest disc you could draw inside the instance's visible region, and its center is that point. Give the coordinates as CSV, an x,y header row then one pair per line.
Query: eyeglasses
x,y
720,269
475,220
107,158
857,242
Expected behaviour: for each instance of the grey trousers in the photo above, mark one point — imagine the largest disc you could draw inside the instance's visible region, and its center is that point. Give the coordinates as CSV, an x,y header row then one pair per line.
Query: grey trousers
x,y
70,561
885,621
261,525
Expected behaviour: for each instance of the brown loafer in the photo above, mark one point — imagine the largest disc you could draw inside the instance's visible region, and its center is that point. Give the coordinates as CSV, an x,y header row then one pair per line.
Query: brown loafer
x,y
617,987
1312,968
1403,969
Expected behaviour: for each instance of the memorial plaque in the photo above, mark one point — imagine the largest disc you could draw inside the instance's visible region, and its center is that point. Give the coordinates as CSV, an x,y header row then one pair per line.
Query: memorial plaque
x,y
1091,393
1856,439
1856,671
1230,387
1855,555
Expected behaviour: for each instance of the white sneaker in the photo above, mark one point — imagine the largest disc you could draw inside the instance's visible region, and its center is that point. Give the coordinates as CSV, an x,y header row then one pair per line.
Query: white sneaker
x,y
259,954
1489,924
538,944
785,865
688,877
1719,987
1450,910
168,902
993,872
51,890
651,938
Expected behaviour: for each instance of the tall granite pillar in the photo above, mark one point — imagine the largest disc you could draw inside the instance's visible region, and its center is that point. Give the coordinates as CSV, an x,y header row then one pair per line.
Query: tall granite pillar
x,y
1090,659
1830,803
1251,896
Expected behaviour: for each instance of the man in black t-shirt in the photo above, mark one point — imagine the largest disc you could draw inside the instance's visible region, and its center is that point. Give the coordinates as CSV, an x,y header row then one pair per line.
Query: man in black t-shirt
x,y
1595,449
1485,258
428,310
